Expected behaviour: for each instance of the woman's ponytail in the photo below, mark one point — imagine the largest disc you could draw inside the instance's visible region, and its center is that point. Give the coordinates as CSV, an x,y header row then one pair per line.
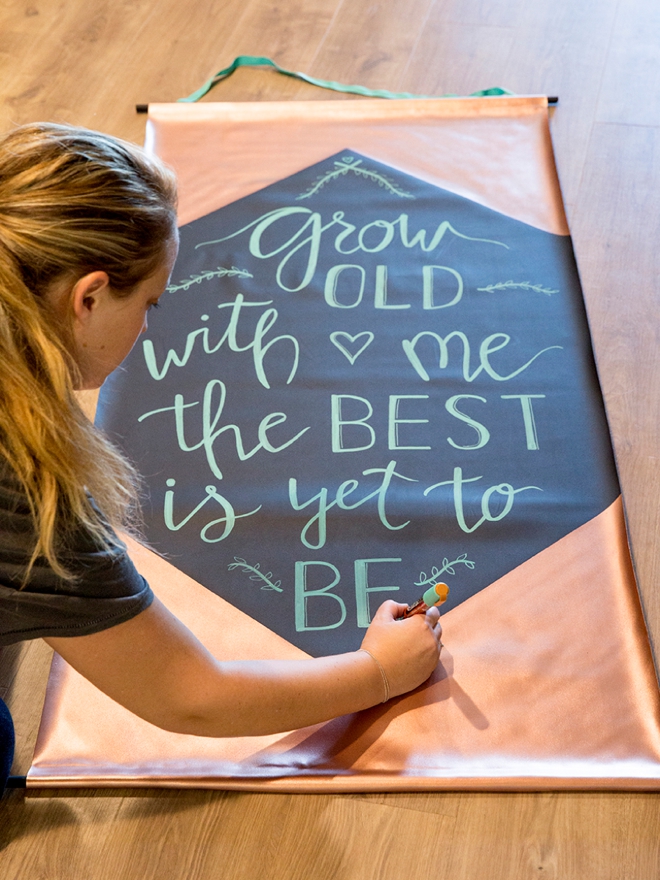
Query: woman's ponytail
x,y
72,201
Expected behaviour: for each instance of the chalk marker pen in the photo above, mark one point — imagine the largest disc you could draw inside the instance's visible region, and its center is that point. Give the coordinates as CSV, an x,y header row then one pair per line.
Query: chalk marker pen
x,y
435,595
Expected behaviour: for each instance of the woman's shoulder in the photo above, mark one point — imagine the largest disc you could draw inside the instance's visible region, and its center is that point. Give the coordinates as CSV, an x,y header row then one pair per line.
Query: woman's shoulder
x,y
105,588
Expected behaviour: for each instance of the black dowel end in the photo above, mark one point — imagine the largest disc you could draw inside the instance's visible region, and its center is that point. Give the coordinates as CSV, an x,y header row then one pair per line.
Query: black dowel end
x,y
17,782
141,108
553,100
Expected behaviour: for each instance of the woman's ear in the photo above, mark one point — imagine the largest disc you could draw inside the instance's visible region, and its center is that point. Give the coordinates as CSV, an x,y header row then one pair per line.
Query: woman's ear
x,y
88,293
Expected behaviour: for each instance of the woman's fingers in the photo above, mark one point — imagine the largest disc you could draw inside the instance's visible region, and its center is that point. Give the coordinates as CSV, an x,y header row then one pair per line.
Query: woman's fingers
x,y
433,620
390,610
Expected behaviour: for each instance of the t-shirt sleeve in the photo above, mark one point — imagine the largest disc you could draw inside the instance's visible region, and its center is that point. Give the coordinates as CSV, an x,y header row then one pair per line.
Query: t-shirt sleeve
x,y
106,589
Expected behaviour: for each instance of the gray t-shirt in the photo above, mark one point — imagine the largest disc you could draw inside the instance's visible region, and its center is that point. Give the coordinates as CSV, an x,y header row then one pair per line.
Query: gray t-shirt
x,y
107,590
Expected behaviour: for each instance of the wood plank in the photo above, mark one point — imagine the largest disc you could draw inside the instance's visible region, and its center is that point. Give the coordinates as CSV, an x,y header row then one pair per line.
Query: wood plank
x,y
164,835
194,835
203,835
571,836
381,37
619,267
477,13
326,838
483,50
442,803
630,90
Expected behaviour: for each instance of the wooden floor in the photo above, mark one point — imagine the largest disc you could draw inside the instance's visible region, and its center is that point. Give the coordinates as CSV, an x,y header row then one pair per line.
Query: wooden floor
x,y
89,62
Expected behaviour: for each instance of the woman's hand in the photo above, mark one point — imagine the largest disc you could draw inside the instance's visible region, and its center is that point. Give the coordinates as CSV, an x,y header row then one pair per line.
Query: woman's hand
x,y
408,650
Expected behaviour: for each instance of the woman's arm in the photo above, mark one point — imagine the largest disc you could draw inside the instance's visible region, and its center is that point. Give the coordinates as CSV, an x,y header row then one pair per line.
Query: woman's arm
x,y
155,667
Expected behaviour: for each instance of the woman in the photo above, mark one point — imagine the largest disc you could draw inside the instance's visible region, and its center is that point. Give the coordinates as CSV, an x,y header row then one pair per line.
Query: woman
x,y
88,239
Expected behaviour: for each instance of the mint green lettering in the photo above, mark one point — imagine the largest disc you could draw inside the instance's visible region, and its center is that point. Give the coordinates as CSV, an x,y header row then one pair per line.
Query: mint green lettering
x,y
348,229
228,521
385,240
494,342
345,489
483,435
171,357
506,490
309,234
531,437
381,493
178,410
211,413
320,518
394,421
312,220
303,595
331,281
419,239
380,291
321,499
230,336
362,588
338,422
259,350
311,241
427,287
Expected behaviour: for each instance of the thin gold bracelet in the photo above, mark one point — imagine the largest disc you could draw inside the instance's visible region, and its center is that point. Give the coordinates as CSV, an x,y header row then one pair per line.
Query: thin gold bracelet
x,y
386,683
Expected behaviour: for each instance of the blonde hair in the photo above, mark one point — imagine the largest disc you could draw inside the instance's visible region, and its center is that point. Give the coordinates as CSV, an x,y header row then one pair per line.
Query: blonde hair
x,y
72,201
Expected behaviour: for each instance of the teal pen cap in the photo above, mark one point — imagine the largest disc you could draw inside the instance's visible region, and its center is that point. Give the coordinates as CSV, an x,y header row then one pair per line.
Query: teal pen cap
x,y
435,595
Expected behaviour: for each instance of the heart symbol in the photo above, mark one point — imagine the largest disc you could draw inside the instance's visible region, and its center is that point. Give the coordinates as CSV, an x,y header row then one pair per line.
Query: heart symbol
x,y
367,335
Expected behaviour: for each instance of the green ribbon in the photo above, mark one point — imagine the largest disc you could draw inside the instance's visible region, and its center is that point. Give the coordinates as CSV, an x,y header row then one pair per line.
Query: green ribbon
x,y
257,61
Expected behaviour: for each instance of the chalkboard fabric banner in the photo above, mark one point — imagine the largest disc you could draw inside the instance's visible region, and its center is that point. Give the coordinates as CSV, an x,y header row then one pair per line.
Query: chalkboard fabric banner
x,y
371,371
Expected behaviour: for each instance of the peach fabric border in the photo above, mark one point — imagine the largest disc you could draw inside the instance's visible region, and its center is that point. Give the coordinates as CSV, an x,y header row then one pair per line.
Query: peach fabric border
x,y
546,682
222,152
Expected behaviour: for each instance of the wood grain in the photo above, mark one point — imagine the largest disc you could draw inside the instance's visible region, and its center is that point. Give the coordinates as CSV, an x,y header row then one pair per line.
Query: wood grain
x,y
382,35
620,270
630,91
89,64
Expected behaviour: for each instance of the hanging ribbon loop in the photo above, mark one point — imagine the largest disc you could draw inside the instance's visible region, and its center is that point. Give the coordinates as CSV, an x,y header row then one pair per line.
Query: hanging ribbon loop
x,y
260,61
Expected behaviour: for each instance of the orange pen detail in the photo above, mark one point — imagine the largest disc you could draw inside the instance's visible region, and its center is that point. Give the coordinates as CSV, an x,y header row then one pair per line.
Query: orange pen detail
x,y
435,595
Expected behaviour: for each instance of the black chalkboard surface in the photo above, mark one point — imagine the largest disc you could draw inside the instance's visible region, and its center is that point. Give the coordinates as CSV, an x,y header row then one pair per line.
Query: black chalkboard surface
x,y
358,384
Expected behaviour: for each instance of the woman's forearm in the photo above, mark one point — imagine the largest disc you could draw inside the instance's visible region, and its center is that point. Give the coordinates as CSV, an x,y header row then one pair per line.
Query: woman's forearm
x,y
269,696
155,667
